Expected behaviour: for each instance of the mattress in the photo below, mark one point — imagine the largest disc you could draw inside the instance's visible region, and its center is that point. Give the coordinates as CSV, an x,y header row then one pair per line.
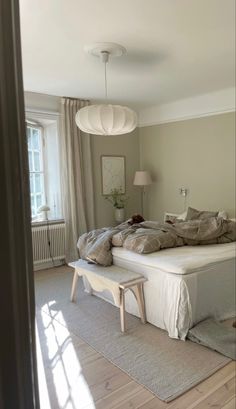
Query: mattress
x,y
185,285
179,260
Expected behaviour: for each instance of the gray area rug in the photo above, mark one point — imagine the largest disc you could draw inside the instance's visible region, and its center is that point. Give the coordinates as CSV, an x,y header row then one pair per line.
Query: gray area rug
x,y
215,335
165,366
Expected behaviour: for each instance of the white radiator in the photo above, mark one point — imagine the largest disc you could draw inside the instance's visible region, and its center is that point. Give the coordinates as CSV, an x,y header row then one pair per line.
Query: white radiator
x,y
43,255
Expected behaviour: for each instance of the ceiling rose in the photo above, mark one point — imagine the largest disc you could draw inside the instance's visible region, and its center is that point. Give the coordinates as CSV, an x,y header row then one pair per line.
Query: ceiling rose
x,y
106,119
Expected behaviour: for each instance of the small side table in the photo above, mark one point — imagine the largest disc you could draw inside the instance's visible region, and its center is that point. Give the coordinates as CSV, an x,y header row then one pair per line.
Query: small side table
x,y
116,279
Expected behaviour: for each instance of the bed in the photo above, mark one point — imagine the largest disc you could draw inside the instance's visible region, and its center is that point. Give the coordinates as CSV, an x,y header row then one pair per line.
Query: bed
x,y
185,285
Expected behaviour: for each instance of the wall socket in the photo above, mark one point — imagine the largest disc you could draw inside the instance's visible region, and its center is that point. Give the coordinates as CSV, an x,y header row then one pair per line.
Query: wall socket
x,y
183,191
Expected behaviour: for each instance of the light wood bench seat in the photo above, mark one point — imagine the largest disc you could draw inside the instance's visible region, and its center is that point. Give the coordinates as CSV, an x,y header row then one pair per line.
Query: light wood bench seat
x,y
112,278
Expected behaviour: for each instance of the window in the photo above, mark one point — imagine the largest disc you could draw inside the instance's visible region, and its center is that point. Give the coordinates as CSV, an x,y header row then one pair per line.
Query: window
x,y
35,153
44,165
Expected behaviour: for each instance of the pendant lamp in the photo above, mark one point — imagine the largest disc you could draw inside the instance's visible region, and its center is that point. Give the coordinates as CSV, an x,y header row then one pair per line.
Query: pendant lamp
x,y
106,119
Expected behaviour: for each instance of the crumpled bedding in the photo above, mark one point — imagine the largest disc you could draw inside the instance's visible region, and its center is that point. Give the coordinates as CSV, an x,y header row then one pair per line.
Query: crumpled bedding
x,y
149,236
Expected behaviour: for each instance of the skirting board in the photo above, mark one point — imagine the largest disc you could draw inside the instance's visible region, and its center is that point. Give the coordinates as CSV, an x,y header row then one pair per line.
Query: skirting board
x,y
48,264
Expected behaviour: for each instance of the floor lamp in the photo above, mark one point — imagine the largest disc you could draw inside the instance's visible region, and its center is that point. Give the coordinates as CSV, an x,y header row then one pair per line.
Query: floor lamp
x,y
142,178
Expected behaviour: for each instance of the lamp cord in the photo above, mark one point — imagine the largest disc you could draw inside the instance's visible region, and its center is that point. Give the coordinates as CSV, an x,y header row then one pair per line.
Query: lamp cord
x,y
185,202
142,200
49,244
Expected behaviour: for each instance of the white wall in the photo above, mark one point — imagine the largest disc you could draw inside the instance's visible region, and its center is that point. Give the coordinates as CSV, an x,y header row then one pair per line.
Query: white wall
x,y
213,103
42,102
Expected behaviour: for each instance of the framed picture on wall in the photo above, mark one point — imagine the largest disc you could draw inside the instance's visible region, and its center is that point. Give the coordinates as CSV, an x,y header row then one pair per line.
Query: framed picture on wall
x,y
113,173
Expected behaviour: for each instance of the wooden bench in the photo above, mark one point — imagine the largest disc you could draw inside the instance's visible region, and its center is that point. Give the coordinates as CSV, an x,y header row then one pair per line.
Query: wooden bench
x,y
112,278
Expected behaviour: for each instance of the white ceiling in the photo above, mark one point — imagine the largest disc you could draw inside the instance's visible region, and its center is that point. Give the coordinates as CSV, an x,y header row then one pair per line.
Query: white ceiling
x,y
176,48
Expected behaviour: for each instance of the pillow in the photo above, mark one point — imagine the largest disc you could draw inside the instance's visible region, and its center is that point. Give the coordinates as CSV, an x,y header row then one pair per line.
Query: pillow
x,y
170,218
174,217
182,216
223,214
193,214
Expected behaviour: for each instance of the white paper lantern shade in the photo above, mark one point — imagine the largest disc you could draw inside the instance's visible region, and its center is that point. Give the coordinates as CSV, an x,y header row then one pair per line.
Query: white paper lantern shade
x,y
106,119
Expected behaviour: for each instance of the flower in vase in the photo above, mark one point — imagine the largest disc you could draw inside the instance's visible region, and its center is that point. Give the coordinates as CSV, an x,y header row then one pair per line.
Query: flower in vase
x,y
117,198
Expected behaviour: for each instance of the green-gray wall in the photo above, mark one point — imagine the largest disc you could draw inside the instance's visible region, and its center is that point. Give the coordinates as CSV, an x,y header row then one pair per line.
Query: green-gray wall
x,y
198,154
124,145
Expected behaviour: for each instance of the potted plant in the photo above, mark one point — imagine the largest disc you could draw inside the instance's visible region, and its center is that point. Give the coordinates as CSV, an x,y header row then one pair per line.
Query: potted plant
x,y
118,201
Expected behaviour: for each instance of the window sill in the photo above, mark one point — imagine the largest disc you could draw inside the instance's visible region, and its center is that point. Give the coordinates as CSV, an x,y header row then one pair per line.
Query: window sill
x,y
45,222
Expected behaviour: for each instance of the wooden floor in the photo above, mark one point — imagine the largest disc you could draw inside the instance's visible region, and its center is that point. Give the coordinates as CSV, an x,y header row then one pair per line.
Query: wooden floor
x,y
111,388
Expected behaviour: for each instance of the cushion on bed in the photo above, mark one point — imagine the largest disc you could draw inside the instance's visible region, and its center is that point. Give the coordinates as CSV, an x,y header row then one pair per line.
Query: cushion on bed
x,y
182,216
175,217
223,214
193,214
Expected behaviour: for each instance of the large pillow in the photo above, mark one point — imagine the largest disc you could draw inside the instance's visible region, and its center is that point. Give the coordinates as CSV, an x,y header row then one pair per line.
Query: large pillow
x,y
174,217
223,214
193,214
182,216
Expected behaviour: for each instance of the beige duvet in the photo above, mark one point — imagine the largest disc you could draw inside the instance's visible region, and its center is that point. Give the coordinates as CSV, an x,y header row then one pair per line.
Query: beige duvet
x,y
148,237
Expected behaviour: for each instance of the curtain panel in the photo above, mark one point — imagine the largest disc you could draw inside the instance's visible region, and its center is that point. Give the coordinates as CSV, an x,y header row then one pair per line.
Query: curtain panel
x,y
77,176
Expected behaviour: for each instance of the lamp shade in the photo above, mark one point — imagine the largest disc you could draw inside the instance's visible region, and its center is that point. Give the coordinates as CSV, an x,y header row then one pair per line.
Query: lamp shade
x,y
43,208
106,119
142,178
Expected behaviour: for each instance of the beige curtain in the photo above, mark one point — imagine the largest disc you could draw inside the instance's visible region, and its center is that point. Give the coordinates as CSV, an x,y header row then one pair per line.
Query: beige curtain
x,y
77,176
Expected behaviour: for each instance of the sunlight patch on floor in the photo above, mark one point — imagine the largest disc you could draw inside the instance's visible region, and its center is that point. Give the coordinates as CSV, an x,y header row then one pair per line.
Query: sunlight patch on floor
x,y
61,381
43,390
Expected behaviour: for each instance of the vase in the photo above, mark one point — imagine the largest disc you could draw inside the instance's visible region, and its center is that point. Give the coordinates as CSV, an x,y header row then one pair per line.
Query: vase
x,y
119,215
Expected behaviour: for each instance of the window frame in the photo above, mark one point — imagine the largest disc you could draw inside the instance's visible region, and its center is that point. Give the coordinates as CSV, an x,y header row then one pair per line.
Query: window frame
x,y
40,116
42,166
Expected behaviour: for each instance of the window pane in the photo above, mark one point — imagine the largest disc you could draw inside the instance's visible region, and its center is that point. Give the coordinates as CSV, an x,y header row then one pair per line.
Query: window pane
x,y
30,161
38,183
31,183
39,201
29,137
35,153
35,139
36,162
32,206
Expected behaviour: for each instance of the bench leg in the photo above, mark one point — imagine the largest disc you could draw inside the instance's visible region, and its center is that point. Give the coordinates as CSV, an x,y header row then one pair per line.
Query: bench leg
x,y
122,310
142,303
74,287
138,293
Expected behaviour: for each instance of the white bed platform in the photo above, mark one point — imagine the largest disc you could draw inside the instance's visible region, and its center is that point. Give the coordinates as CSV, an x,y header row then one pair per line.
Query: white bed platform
x,y
185,284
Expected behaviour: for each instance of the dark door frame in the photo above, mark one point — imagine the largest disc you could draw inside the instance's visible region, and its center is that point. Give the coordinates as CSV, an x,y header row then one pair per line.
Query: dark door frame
x,y
18,373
